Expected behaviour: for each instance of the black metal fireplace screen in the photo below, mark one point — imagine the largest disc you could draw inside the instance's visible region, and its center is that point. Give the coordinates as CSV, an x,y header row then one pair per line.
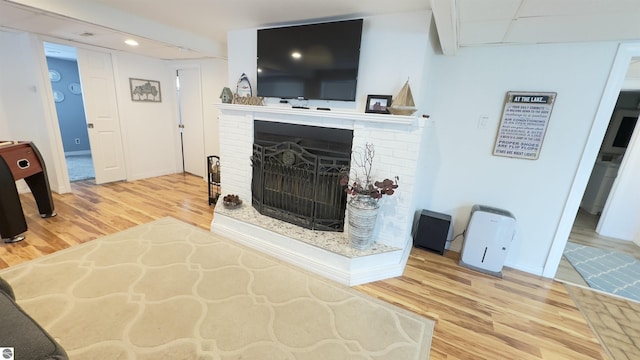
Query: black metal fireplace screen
x,y
299,185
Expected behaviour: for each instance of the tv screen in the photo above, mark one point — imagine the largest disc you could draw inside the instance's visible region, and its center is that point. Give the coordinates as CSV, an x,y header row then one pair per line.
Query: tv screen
x,y
315,61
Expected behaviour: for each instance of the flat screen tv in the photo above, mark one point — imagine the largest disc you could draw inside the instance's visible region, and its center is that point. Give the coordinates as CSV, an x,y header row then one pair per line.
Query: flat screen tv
x,y
315,61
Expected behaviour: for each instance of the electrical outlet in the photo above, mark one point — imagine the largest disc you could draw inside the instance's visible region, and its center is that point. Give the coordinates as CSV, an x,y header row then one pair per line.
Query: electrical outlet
x,y
77,141
482,121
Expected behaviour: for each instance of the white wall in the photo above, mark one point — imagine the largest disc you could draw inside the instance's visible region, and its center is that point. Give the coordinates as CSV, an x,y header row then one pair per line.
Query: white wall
x,y
458,169
424,176
214,79
149,129
393,50
461,170
7,81
27,100
20,87
4,124
242,53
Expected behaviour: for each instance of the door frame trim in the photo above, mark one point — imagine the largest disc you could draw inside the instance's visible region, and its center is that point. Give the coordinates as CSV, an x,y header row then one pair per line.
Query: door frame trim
x,y
626,51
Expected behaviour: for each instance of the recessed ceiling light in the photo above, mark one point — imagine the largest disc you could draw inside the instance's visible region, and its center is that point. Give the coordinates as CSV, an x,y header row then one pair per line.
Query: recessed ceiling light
x,y
131,42
296,55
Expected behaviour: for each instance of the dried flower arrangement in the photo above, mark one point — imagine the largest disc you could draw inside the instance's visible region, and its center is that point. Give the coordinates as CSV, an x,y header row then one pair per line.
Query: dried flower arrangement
x,y
362,183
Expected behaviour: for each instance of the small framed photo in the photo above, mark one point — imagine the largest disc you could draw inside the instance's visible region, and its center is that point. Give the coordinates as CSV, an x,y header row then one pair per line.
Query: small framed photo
x,y
145,90
378,104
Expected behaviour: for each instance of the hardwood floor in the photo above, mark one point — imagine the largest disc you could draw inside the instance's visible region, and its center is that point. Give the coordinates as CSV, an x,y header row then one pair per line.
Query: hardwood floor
x,y
583,232
477,316
92,211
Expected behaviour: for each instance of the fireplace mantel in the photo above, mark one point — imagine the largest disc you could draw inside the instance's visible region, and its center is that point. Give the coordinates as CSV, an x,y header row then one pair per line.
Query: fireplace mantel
x,y
398,141
311,114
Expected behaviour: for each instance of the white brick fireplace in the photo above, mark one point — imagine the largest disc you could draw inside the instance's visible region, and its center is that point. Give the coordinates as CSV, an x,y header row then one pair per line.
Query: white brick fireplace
x,y
397,144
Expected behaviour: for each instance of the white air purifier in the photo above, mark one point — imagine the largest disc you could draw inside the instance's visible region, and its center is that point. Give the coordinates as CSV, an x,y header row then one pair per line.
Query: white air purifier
x,y
487,239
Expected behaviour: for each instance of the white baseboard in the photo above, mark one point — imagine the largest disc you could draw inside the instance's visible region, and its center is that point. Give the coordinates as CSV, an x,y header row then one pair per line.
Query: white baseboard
x,y
79,152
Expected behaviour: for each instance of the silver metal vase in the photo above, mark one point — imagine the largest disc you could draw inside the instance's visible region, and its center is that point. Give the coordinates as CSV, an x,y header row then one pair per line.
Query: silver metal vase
x,y
363,213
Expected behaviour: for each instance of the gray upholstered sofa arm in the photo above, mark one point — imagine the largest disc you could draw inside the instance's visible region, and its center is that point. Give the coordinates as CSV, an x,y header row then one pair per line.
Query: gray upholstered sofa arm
x,y
6,288
22,333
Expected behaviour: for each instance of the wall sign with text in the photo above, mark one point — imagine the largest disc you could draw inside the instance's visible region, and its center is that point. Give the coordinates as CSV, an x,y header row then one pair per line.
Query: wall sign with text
x,y
523,124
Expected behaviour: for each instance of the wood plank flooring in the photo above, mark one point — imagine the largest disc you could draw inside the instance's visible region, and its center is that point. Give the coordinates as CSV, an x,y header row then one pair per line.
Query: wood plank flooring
x,y
583,232
477,316
92,211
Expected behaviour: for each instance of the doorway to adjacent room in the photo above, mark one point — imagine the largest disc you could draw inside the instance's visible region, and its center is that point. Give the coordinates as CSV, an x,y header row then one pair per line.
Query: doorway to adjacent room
x,y
67,93
590,258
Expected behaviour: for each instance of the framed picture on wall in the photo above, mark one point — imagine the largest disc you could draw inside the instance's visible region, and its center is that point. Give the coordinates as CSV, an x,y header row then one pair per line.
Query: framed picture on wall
x,y
58,96
145,90
75,88
54,75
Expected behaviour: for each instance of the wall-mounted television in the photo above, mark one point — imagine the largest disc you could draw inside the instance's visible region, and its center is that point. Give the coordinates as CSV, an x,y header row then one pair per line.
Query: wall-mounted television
x,y
315,61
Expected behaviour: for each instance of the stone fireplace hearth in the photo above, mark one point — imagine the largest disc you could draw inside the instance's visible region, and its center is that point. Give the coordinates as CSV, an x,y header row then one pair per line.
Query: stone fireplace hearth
x,y
397,141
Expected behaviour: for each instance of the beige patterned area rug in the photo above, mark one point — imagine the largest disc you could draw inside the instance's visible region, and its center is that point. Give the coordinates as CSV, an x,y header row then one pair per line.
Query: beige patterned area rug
x,y
169,290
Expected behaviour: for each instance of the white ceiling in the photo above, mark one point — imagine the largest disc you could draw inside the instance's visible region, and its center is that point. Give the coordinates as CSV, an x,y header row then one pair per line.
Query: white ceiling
x,y
178,29
547,21
53,26
213,18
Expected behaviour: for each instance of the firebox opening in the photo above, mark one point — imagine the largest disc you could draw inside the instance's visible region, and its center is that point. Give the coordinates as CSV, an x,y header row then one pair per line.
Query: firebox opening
x,y
296,173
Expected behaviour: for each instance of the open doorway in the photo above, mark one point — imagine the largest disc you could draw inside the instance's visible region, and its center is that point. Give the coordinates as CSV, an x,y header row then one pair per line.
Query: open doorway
x,y
67,93
592,259
616,141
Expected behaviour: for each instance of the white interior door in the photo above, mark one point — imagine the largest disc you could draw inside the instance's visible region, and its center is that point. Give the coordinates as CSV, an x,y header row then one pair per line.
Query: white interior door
x,y
191,118
621,211
99,95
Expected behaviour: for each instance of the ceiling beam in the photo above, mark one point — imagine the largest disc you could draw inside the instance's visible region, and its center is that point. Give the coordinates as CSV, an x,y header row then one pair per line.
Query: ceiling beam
x,y
445,14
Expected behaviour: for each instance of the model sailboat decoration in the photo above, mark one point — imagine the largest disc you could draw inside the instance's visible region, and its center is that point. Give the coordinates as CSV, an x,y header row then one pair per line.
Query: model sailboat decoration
x,y
403,102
